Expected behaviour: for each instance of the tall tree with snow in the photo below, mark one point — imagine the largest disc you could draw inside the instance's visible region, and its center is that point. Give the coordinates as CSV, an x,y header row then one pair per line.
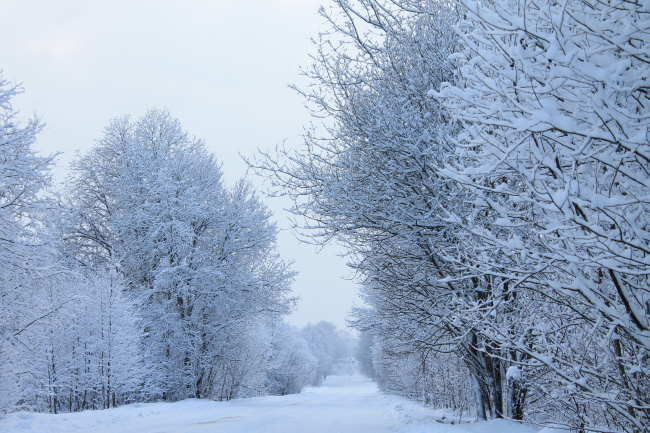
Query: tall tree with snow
x,y
23,177
198,258
555,108
373,182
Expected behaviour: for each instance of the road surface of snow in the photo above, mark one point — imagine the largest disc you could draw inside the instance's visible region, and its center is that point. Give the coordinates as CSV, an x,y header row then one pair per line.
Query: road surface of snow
x,y
344,404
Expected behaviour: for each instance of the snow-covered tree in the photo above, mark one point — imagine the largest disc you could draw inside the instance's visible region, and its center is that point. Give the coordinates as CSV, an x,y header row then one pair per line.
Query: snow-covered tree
x,y
236,361
373,181
363,354
292,365
23,257
437,379
555,109
198,257
88,354
328,345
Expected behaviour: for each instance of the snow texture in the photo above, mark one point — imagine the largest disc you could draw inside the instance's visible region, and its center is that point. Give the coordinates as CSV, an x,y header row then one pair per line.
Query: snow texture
x,y
342,404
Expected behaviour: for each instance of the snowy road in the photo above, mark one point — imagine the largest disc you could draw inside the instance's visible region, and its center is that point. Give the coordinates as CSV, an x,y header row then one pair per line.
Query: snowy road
x,y
345,404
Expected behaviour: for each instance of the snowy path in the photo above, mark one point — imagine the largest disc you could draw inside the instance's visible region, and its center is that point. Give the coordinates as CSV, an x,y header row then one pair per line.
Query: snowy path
x,y
345,404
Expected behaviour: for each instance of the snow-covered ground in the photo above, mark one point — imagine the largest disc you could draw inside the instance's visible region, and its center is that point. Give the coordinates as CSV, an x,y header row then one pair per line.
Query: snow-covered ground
x,y
349,404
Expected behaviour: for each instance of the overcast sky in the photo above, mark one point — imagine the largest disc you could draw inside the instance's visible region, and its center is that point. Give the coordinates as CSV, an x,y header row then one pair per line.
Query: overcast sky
x,y
222,67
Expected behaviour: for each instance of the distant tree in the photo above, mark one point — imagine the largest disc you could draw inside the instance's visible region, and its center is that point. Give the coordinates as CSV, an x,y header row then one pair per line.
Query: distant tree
x,y
291,365
319,339
328,345
363,354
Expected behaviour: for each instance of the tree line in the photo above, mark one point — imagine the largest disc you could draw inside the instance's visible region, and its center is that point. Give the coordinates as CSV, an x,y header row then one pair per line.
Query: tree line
x,y
486,164
143,278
